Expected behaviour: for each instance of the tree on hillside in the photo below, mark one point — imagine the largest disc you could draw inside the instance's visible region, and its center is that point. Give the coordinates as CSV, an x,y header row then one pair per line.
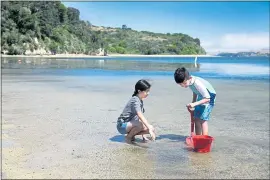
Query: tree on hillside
x,y
51,26
124,26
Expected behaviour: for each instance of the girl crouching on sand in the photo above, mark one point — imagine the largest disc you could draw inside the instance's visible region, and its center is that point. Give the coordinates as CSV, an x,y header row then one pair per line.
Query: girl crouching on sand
x,y
132,121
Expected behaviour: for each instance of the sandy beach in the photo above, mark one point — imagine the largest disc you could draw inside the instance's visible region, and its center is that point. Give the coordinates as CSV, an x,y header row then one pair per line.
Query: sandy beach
x,y
65,127
109,55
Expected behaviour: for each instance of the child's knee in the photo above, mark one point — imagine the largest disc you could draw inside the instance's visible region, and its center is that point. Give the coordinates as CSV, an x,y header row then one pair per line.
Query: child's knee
x,y
140,126
204,125
203,121
145,128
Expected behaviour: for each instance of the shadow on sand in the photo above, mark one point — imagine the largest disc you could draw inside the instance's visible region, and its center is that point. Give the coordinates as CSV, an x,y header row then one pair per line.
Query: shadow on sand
x,y
172,137
138,142
118,138
121,139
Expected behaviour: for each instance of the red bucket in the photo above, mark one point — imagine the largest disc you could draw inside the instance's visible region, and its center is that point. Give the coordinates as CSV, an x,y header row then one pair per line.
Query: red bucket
x,y
202,143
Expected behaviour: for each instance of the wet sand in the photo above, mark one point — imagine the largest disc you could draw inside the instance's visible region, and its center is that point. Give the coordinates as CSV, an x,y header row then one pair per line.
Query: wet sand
x,y
65,127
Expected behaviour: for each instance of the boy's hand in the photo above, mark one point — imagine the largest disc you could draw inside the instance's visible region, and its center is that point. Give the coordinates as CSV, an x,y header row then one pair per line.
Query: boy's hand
x,y
190,105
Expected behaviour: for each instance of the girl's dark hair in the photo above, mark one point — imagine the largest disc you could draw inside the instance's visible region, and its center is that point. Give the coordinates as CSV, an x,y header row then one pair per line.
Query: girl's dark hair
x,y
141,85
180,75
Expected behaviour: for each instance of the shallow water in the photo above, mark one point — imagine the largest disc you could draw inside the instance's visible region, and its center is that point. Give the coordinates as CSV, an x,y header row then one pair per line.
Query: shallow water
x,y
249,68
64,120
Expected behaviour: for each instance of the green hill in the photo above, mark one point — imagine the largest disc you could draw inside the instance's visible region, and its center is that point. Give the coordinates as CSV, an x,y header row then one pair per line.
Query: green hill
x,y
50,27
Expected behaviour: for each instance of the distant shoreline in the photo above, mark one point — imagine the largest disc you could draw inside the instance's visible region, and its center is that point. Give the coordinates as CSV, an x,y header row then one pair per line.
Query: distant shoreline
x,y
110,55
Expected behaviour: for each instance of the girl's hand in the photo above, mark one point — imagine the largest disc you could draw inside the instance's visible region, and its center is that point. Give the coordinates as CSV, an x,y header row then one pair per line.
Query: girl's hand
x,y
151,128
152,132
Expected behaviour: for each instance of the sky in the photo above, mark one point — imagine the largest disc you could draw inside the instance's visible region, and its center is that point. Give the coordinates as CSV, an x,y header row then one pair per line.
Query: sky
x,y
221,26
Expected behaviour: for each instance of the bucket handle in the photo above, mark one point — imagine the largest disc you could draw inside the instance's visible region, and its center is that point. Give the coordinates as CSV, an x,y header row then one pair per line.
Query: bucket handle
x,y
191,111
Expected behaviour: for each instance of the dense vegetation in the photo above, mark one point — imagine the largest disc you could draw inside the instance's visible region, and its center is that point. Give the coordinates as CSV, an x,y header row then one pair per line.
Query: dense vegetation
x,y
28,26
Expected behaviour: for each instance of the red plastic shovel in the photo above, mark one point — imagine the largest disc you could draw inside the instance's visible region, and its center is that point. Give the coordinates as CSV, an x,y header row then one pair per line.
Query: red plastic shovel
x,y
189,140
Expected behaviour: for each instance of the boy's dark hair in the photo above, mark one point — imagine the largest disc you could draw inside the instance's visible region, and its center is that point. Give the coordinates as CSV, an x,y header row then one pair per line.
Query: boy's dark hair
x,y
180,75
141,85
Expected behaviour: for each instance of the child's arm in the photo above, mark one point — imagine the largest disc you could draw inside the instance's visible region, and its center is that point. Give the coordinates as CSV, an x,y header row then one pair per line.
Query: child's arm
x,y
192,105
150,127
204,93
194,97
136,108
144,121
205,100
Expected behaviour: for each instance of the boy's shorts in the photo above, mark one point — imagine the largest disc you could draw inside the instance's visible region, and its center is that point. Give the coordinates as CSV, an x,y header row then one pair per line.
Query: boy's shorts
x,y
203,111
121,127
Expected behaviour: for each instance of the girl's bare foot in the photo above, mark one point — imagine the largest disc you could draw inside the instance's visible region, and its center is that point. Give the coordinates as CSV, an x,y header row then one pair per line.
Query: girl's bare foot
x,y
145,139
128,140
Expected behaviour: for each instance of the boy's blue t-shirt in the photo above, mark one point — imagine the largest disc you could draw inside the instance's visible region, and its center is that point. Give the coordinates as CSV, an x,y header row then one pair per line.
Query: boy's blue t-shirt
x,y
203,89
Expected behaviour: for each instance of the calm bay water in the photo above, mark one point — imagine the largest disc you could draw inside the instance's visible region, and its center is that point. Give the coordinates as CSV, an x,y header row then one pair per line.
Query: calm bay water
x,y
52,106
248,68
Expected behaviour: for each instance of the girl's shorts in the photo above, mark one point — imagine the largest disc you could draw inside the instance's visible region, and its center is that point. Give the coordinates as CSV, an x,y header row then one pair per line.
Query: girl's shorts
x,y
121,127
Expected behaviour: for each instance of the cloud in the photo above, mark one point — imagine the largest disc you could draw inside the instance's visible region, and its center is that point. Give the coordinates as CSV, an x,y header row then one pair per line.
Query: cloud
x,y
238,42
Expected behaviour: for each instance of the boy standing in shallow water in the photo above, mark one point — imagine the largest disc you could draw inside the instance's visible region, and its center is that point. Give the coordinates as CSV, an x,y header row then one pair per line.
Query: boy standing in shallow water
x,y
204,96
132,121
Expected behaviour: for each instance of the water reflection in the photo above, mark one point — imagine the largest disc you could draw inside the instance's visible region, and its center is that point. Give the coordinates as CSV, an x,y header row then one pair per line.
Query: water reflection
x,y
106,64
208,68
